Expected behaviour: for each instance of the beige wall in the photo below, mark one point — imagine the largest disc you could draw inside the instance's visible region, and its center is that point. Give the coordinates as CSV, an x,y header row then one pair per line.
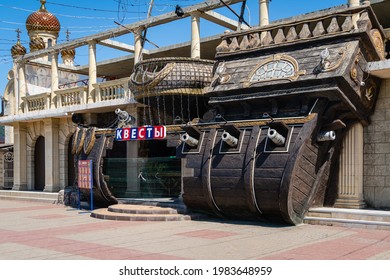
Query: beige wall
x,y
36,129
377,152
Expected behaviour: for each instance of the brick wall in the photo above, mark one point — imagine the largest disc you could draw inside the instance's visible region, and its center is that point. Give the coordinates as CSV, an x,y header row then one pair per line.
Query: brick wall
x,y
377,153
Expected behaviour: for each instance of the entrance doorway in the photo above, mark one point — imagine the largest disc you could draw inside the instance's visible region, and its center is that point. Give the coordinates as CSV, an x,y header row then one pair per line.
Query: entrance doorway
x,y
39,164
155,173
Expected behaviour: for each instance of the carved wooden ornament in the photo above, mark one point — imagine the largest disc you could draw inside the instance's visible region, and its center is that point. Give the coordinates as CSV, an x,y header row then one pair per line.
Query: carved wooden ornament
x,y
277,67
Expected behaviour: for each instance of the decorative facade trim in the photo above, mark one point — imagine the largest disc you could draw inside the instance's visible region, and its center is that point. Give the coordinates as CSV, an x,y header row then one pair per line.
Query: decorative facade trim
x,y
277,67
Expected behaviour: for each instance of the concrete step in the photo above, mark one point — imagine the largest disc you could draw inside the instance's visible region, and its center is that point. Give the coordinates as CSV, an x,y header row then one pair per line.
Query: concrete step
x,y
32,196
362,218
141,209
106,214
174,203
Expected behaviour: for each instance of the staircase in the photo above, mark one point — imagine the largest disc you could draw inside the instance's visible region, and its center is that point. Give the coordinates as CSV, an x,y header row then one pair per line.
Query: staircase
x,y
143,210
362,218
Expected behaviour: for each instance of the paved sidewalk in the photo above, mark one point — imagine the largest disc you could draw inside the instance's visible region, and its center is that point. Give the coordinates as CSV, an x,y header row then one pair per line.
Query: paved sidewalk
x,y
39,231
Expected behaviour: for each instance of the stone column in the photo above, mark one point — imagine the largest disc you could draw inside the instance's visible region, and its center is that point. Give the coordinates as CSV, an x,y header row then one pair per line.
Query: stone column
x,y
355,17
52,160
20,157
92,70
195,35
54,79
350,194
264,13
21,86
137,44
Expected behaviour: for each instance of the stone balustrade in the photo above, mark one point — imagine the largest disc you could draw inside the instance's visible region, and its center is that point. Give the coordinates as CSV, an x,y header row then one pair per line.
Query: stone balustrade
x,y
36,102
111,90
71,96
77,95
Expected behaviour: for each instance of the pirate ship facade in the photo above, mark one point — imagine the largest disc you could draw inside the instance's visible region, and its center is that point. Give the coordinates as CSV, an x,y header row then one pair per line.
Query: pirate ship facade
x,y
280,102
261,131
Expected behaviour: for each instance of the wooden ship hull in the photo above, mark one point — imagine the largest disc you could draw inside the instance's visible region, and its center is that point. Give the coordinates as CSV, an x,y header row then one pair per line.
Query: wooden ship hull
x,y
90,144
266,143
304,80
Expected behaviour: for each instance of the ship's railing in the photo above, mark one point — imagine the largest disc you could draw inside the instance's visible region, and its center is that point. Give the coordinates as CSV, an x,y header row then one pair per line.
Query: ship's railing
x,y
302,29
165,75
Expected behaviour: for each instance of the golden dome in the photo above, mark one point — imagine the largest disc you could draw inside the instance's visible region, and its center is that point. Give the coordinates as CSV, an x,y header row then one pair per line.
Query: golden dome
x,y
36,44
68,52
42,20
18,49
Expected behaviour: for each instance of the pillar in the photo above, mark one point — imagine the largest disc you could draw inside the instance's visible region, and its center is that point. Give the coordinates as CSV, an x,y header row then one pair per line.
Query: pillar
x,y
54,79
350,193
20,157
264,13
52,162
137,45
92,70
355,17
195,36
21,86
133,163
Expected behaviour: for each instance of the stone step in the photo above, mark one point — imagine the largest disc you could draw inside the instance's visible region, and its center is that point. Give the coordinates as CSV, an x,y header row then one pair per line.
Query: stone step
x,y
363,218
141,209
160,202
105,214
31,196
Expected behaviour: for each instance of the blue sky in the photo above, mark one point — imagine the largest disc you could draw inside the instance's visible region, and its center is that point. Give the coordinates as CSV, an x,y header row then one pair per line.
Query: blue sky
x,y
82,18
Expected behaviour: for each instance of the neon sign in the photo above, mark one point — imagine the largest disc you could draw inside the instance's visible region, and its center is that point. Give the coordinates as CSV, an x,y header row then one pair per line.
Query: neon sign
x,y
141,133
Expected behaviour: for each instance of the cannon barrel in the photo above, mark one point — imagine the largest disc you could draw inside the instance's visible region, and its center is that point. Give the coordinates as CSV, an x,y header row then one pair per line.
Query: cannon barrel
x,y
326,136
229,139
190,141
275,137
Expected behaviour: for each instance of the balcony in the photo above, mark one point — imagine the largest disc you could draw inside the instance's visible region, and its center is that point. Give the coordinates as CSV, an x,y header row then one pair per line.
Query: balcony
x,y
72,98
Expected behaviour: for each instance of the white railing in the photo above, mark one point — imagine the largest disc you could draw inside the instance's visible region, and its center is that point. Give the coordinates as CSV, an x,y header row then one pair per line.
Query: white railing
x,y
71,96
112,90
106,91
36,102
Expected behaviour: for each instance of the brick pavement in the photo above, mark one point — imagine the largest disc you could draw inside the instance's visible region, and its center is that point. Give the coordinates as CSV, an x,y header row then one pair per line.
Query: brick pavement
x,y
39,231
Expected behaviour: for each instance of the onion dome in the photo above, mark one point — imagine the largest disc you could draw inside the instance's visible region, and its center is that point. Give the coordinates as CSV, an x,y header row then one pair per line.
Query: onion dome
x,y
36,44
42,20
68,52
18,49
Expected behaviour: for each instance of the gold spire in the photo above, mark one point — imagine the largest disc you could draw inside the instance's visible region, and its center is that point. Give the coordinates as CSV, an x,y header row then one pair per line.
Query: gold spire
x,y
18,31
43,2
18,49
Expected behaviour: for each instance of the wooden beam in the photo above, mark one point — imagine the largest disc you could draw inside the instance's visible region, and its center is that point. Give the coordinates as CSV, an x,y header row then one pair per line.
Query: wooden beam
x,y
117,45
221,20
153,21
